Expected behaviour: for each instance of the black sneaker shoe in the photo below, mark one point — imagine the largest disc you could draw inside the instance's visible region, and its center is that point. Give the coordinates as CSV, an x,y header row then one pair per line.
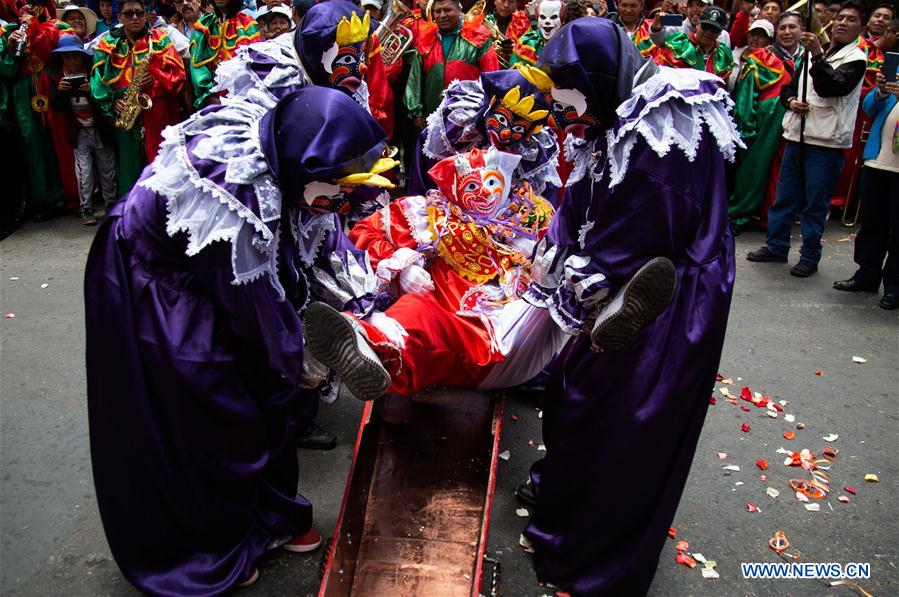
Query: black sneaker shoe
x,y
315,437
525,494
332,339
889,302
804,269
639,302
765,255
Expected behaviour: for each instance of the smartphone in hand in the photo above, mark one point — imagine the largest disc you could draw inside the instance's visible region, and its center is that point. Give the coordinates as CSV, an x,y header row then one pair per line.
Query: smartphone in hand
x,y
890,63
672,20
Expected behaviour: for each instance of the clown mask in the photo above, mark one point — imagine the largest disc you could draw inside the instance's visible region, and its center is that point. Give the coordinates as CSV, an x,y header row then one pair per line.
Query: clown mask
x,y
345,60
477,181
570,111
549,17
512,119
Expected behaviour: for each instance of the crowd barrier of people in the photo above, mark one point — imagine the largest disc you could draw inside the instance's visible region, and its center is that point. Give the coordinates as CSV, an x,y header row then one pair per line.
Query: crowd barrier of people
x,y
574,173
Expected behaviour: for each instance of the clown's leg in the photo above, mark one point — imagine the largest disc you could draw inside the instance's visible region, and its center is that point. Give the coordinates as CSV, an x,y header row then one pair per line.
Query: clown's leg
x,y
335,340
638,303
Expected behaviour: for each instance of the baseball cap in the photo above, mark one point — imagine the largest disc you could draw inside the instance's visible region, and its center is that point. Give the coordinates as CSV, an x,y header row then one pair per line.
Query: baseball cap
x,y
265,14
764,25
713,17
376,3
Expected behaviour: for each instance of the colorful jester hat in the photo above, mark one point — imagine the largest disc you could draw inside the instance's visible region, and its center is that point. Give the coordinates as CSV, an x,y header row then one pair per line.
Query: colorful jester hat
x,y
477,181
513,107
330,42
318,141
592,63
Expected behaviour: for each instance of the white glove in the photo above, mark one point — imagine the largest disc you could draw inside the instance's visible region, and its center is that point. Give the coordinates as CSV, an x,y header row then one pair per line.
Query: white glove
x,y
390,327
414,279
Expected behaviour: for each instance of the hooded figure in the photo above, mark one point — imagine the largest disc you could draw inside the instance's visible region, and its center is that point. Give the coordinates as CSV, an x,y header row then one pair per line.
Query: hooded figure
x,y
329,48
458,259
652,185
502,109
194,290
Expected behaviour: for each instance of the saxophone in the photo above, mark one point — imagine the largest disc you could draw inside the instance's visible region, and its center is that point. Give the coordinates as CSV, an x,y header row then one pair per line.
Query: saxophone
x,y
135,101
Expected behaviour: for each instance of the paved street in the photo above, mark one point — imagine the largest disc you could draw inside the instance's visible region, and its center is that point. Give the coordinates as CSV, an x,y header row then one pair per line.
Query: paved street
x,y
782,332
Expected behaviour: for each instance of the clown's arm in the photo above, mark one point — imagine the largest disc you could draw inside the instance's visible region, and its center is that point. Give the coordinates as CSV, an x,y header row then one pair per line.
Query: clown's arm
x,y
397,240
341,274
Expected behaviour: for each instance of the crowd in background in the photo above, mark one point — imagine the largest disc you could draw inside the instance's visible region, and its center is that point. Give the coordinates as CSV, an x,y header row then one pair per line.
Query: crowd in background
x,y
89,88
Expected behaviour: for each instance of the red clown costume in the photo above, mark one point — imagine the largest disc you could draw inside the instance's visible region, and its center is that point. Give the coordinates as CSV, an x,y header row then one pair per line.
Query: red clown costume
x,y
459,258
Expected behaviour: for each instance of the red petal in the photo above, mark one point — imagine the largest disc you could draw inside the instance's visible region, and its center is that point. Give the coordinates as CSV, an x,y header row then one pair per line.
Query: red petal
x,y
713,401
750,507
744,408
763,477
682,558
719,377
672,532
761,402
745,428
777,407
746,393
682,545
849,489
819,372
788,435
762,463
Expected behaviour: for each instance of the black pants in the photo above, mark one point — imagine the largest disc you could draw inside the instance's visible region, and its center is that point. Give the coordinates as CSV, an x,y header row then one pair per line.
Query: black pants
x,y
879,234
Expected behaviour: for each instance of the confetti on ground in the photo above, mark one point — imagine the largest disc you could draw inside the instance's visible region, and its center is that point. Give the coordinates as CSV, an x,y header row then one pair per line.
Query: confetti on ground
x,y
872,478
762,463
819,373
513,418
713,401
831,437
721,455
745,428
522,512
731,467
530,442
859,360
789,418
849,490
539,414
14,278
789,435
9,315
672,532
802,497
772,492
710,573
44,285
682,546
813,507
763,477
750,507
728,381
772,414
541,448
682,558
800,425
843,499
504,455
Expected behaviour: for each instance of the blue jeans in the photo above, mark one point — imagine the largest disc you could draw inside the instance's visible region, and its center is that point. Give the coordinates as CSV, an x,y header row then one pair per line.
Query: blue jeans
x,y
812,183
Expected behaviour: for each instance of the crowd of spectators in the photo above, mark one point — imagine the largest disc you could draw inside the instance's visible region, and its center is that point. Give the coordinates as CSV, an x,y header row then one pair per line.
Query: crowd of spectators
x,y
817,115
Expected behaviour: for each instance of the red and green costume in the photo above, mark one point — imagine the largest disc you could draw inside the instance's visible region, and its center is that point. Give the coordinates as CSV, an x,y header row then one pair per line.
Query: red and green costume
x,y
430,72
527,48
758,114
115,59
518,25
27,80
214,40
683,51
641,38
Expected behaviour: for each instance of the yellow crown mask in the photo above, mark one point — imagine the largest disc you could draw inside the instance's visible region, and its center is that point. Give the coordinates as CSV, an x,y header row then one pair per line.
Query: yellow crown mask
x,y
524,107
536,76
353,30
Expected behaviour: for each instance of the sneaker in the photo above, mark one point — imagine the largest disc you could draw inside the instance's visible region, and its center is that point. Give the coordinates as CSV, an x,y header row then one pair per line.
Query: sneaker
x,y
88,219
804,269
308,541
335,341
765,255
315,437
251,579
640,301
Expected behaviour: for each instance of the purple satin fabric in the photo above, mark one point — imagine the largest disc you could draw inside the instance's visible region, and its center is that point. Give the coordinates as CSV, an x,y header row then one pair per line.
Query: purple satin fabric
x,y
621,428
191,386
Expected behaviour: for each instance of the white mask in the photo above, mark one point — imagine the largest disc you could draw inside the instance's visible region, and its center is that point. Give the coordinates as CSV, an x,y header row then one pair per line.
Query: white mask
x,y
549,17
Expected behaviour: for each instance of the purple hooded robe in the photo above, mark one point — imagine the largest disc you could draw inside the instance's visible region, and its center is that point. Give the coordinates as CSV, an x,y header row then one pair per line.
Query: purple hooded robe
x,y
193,293
620,428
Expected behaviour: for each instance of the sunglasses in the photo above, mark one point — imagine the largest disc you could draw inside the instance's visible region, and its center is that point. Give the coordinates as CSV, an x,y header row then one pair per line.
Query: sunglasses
x,y
133,14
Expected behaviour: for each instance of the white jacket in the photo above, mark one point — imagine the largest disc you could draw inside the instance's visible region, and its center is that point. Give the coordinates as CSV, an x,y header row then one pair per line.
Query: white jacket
x,y
831,120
